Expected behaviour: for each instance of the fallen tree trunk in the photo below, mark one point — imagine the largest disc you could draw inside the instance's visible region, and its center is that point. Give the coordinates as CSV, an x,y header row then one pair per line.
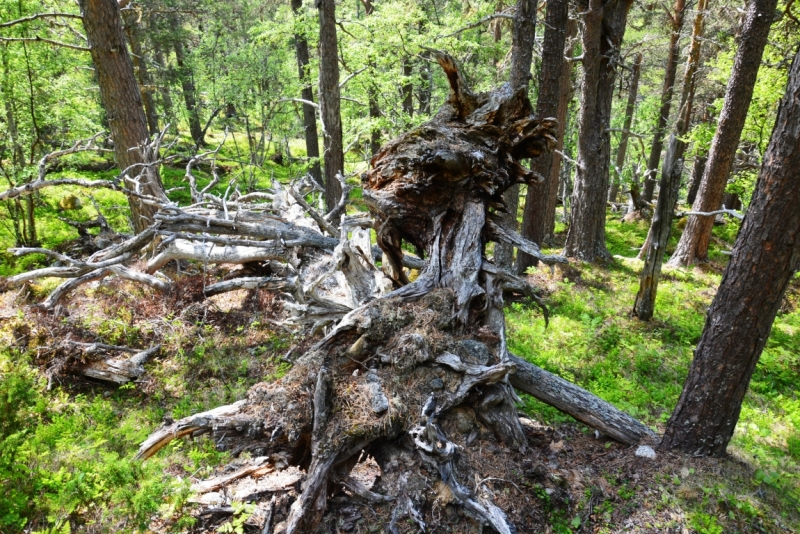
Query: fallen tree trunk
x,y
415,375
578,403
419,379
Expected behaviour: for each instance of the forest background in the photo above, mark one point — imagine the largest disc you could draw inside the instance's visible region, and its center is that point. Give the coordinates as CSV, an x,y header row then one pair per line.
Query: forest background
x,y
224,76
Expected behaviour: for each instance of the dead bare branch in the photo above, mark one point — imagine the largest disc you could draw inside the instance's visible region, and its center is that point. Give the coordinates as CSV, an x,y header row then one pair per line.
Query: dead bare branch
x,y
723,211
508,14
120,371
40,16
38,39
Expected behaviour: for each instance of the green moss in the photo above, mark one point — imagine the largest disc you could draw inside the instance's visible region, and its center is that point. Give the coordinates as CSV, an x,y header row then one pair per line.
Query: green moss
x,y
640,367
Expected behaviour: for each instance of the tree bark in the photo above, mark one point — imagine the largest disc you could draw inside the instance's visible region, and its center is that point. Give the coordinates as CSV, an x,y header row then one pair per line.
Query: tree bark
x,y
496,25
622,150
690,74
426,87
560,170
766,254
604,28
166,98
693,245
553,85
671,174
186,77
692,65
307,93
698,167
523,38
408,87
374,115
578,403
372,97
660,228
676,25
133,30
123,101
330,100
731,201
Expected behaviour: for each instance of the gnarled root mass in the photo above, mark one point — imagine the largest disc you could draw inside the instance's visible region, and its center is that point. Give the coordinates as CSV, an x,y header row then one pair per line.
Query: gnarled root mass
x,y
395,381
416,380
404,414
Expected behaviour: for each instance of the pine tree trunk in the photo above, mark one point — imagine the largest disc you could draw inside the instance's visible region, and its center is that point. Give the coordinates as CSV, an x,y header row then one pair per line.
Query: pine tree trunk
x,y
122,99
698,167
307,93
166,98
186,77
408,88
602,36
660,229
426,87
622,150
374,115
523,38
372,96
17,153
693,245
330,100
694,60
731,201
551,93
676,23
133,30
557,173
669,187
766,254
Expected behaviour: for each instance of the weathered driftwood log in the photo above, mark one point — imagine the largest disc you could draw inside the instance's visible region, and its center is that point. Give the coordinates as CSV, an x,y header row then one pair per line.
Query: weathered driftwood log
x,y
212,253
420,379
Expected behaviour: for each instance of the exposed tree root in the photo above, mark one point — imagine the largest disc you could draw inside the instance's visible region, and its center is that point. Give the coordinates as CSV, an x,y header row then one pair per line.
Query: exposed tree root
x,y
360,388
419,378
415,375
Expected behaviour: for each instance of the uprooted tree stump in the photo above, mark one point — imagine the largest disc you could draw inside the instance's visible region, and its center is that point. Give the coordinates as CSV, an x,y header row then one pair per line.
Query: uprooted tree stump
x,y
417,379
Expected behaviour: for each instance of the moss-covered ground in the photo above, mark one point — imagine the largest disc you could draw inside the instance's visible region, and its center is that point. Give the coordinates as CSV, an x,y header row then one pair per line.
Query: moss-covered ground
x,y
66,445
594,341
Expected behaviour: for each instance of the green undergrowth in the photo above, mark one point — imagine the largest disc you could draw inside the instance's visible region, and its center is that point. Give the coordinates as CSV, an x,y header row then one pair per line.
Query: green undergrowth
x,y
69,456
66,452
593,340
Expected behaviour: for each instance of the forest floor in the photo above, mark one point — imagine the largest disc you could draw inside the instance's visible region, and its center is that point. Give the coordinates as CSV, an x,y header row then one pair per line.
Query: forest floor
x,y
67,443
